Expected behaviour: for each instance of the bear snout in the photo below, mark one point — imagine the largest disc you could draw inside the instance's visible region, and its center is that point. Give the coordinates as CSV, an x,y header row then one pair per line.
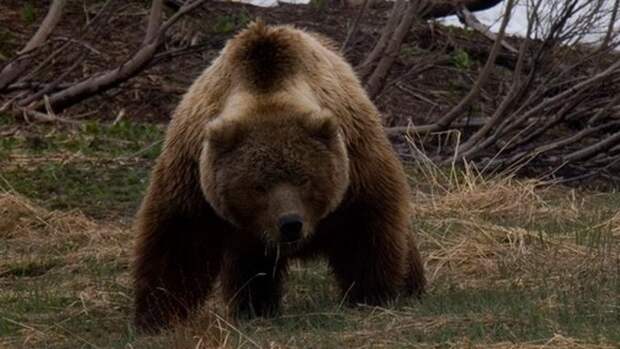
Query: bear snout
x,y
290,227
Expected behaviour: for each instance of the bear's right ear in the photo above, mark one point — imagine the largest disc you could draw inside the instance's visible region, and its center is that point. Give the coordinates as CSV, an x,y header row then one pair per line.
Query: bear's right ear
x,y
324,128
222,136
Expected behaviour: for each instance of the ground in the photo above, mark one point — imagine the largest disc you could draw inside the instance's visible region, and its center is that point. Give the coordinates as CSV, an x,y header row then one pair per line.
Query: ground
x,y
511,263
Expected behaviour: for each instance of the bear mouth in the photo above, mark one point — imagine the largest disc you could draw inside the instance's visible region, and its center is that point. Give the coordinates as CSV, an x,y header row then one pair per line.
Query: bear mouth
x,y
292,244
274,244
281,248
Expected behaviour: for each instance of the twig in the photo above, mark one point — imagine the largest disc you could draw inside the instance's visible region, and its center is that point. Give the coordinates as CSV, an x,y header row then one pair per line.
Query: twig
x,y
46,118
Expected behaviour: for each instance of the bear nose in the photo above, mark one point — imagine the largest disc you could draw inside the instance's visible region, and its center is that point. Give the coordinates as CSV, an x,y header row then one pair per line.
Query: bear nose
x,y
290,226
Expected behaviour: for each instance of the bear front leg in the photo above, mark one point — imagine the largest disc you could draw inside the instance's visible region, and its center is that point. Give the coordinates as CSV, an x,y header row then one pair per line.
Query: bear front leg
x,y
373,255
415,281
252,283
179,249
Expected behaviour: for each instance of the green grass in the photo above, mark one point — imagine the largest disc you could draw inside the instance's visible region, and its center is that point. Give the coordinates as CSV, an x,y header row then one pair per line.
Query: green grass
x,y
509,263
28,14
226,24
125,138
319,5
94,188
98,169
460,59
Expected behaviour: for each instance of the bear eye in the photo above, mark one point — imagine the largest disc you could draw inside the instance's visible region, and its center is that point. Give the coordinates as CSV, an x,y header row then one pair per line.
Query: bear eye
x,y
261,189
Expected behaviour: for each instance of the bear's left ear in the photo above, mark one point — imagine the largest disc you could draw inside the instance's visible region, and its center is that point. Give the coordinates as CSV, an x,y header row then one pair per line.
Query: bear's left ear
x,y
223,136
324,129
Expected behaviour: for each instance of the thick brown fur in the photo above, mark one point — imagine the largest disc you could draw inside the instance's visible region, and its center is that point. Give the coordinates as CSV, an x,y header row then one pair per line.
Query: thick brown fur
x,y
280,92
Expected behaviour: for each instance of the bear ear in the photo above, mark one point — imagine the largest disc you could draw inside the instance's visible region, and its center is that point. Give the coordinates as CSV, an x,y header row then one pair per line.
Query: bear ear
x,y
223,136
324,129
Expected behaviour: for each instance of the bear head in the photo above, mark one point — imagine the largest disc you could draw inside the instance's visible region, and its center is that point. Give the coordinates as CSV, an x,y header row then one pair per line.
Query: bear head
x,y
275,172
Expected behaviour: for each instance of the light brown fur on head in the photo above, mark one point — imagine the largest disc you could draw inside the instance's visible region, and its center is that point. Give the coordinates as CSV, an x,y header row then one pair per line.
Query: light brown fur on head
x,y
277,125
271,162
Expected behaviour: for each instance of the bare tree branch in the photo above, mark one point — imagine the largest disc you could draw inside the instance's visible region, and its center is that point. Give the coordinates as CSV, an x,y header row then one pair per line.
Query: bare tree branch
x,y
47,26
593,149
96,84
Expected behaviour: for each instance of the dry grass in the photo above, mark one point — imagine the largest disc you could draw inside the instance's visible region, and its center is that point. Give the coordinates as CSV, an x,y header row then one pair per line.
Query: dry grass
x,y
58,246
498,221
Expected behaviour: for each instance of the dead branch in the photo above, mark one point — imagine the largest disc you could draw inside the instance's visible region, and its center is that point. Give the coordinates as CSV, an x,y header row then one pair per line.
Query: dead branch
x,y
47,26
52,86
455,112
594,149
379,61
32,86
106,80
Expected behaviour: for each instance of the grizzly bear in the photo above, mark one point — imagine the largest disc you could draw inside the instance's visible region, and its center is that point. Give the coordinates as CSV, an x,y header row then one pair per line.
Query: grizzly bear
x,y
275,152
